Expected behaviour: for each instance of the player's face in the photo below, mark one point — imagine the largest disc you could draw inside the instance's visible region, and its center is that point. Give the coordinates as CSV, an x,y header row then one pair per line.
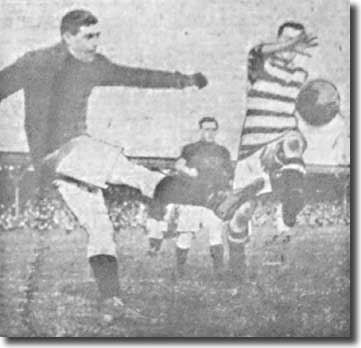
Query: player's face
x,y
287,34
209,132
85,42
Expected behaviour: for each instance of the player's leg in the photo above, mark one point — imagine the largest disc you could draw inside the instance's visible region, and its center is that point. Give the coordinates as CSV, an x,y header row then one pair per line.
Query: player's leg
x,y
238,235
131,174
160,229
214,226
169,192
155,229
72,160
90,209
183,245
288,180
189,219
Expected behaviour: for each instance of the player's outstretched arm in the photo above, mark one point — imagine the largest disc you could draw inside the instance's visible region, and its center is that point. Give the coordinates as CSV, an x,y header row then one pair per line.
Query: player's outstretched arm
x,y
118,75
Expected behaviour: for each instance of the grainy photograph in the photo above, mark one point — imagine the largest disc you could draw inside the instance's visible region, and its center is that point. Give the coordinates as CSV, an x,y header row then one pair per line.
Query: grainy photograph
x,y
175,168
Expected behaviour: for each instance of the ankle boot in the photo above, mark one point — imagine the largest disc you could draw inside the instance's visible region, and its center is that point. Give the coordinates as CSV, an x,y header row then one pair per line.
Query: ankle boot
x,y
154,246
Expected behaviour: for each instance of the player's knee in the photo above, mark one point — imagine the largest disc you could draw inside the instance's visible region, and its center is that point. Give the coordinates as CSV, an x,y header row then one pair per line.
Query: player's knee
x,y
243,215
155,228
293,146
184,240
214,225
238,234
239,227
189,218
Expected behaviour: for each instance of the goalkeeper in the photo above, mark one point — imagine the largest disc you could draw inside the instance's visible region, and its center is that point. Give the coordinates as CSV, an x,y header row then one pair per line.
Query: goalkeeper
x,y
203,168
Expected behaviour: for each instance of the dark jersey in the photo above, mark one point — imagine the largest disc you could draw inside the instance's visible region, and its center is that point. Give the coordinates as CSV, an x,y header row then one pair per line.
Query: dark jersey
x,y
57,87
215,171
212,162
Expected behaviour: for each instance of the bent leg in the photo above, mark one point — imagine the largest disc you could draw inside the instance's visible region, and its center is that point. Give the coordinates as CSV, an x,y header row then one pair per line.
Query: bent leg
x,y
127,173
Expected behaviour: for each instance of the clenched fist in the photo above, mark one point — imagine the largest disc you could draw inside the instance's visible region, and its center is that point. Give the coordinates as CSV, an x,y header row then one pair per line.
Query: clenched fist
x,y
199,80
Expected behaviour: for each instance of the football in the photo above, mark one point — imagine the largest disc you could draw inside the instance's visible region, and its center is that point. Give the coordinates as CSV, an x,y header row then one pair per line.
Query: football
x,y
318,102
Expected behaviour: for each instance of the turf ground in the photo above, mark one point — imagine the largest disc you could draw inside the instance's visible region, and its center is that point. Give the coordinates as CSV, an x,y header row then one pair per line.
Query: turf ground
x,y
47,289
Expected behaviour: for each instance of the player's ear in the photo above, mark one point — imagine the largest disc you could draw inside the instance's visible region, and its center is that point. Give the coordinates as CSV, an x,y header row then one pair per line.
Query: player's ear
x,y
67,37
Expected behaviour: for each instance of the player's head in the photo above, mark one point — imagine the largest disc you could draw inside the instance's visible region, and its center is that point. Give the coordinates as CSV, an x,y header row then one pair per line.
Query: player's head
x,y
208,127
79,30
287,31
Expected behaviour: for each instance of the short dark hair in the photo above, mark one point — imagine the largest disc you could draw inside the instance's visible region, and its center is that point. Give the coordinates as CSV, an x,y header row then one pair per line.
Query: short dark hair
x,y
73,20
207,119
294,25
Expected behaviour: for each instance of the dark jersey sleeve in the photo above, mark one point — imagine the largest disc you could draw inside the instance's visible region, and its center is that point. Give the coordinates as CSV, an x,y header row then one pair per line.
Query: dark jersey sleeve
x,y
228,167
13,77
187,152
256,61
111,74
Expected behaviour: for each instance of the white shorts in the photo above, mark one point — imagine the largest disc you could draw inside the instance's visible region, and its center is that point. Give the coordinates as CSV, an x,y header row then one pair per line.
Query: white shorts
x,y
253,167
97,163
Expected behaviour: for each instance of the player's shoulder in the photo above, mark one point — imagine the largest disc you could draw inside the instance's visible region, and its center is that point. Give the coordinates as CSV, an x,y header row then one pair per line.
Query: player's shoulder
x,y
46,51
102,62
99,57
223,150
255,54
190,146
46,54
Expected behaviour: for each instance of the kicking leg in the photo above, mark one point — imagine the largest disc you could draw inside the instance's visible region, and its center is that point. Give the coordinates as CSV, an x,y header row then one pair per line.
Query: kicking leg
x,y
127,173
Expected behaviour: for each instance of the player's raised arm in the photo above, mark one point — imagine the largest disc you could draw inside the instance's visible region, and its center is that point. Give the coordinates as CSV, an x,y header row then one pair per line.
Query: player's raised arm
x,y
114,74
288,42
303,41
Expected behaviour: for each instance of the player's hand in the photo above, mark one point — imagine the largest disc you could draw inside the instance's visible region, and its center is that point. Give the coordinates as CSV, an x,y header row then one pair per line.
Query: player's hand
x,y
305,41
193,172
199,80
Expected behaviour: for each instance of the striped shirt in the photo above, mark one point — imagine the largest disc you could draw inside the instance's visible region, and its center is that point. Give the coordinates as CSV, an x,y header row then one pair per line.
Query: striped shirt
x,y
272,92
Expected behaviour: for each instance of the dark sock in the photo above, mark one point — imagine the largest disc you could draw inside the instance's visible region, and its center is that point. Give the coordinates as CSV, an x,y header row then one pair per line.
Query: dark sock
x,y
105,269
237,260
181,257
216,252
155,244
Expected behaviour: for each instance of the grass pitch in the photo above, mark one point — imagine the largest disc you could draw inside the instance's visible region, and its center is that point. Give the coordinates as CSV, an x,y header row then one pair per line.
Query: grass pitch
x,y
46,288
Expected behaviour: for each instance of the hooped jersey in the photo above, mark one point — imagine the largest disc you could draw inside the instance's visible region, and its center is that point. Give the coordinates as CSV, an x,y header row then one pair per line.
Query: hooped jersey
x,y
273,88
